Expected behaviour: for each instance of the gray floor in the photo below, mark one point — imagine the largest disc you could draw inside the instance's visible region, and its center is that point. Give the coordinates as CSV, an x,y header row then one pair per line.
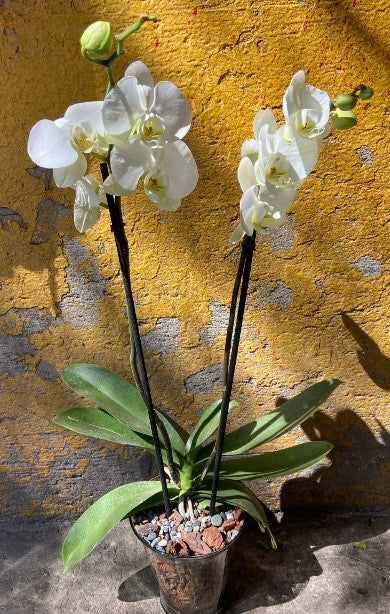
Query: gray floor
x,y
316,570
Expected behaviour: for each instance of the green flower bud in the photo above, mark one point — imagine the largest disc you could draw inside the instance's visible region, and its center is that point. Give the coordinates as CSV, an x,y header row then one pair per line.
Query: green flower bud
x,y
96,41
366,93
343,120
345,102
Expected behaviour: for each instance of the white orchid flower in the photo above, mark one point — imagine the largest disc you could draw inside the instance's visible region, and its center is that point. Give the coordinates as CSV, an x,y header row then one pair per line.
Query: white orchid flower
x,y
262,208
173,176
89,196
153,114
270,158
61,144
306,109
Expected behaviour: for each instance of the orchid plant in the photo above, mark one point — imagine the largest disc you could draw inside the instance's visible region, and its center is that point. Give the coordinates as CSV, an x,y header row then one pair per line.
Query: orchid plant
x,y
136,133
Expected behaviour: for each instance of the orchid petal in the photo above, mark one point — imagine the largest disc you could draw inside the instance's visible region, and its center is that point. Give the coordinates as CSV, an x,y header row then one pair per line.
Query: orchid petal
x,y
178,163
141,72
123,106
88,115
171,106
246,174
129,161
49,146
264,117
112,187
237,234
87,203
67,176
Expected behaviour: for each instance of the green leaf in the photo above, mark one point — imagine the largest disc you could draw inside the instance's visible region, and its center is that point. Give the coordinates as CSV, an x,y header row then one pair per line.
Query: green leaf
x,y
276,423
173,430
98,520
238,494
274,464
95,422
206,425
111,392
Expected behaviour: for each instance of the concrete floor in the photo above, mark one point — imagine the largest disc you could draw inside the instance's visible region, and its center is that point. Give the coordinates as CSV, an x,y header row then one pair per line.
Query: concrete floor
x,y
316,570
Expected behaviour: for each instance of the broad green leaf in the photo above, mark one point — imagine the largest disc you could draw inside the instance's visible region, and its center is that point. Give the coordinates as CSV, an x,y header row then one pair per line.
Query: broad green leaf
x,y
206,425
276,423
111,392
174,433
238,494
102,516
274,464
95,422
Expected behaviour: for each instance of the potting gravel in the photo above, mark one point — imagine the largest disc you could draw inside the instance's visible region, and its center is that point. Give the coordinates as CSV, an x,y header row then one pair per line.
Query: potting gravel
x,y
189,536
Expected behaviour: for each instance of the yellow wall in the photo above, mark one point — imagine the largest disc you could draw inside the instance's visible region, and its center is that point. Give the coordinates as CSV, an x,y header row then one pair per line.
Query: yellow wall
x,y
61,297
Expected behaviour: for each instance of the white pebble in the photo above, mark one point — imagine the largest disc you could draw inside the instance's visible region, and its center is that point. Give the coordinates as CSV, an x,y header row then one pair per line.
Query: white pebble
x,y
162,543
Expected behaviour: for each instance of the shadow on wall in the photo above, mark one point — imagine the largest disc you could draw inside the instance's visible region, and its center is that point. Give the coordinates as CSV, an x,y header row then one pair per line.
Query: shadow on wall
x,y
374,362
358,473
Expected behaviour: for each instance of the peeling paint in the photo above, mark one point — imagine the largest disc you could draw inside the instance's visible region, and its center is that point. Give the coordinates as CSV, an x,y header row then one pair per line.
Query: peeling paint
x,y
365,155
206,380
368,266
49,213
86,284
46,371
281,239
218,324
164,338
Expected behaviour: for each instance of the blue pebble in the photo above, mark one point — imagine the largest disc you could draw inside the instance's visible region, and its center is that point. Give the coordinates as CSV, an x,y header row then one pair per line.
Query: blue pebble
x,y
223,515
197,523
188,529
151,537
216,520
155,542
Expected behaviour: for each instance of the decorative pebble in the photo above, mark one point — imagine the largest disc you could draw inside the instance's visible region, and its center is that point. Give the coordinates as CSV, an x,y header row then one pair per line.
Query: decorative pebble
x,y
155,542
197,523
188,529
151,537
234,533
223,515
216,520
173,532
162,543
229,515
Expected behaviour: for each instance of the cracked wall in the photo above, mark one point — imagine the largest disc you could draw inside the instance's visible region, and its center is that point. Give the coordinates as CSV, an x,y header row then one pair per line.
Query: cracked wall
x,y
318,299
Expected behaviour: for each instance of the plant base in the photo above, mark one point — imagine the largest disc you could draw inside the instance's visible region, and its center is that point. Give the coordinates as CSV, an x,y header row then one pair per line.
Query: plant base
x,y
191,584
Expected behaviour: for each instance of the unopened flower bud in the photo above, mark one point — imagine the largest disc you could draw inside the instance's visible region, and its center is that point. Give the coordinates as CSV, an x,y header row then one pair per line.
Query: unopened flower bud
x,y
366,93
96,41
345,102
343,120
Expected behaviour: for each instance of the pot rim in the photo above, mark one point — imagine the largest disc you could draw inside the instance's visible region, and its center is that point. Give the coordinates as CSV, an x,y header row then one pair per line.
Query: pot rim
x,y
145,543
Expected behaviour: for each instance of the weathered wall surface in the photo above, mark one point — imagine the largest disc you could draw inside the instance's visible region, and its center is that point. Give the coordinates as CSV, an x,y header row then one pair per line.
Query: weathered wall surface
x,y
61,296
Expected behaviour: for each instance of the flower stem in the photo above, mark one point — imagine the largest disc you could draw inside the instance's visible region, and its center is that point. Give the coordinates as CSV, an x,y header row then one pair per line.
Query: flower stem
x,y
232,315
248,247
117,227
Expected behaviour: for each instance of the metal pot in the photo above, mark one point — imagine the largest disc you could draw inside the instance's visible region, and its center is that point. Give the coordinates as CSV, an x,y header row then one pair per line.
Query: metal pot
x,y
190,584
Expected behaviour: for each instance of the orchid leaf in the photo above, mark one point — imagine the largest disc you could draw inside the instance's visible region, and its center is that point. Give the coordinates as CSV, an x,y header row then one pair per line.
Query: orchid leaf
x,y
206,425
274,464
111,392
276,423
97,423
102,516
